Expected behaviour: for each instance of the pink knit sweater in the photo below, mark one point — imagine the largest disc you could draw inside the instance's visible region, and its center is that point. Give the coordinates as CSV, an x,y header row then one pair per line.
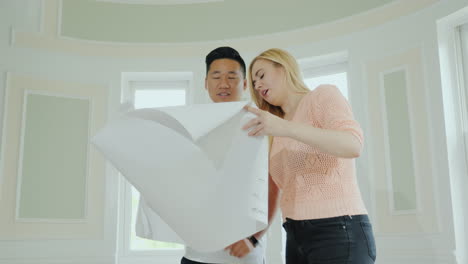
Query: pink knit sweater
x,y
314,184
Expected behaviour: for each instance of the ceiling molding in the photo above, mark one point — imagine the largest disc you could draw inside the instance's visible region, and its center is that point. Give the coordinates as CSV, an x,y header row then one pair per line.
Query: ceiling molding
x,y
107,21
58,42
159,2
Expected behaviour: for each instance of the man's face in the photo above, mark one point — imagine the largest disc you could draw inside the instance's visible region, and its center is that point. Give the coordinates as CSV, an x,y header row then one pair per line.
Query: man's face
x,y
224,81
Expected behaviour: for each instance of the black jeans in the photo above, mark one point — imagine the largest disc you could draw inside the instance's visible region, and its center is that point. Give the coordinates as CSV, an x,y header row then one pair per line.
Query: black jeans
x,y
336,240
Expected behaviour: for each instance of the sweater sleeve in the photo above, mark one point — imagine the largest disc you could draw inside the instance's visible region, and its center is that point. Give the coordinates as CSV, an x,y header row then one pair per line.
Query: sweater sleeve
x,y
334,112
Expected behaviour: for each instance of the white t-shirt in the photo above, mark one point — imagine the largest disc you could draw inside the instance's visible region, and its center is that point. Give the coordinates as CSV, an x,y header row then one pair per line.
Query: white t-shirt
x,y
149,225
256,256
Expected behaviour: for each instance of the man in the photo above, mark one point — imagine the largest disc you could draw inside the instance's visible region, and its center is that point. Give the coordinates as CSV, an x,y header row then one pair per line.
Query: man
x,y
225,81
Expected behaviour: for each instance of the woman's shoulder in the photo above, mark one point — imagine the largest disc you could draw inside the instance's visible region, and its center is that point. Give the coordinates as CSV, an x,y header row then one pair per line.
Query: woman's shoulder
x,y
320,92
325,93
325,89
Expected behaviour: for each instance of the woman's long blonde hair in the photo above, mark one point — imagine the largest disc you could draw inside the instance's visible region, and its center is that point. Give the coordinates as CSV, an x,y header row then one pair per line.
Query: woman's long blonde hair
x,y
280,58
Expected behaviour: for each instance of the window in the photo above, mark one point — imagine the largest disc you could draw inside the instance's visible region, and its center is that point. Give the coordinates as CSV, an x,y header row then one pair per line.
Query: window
x,y
339,79
462,252
148,90
327,69
452,33
149,94
463,50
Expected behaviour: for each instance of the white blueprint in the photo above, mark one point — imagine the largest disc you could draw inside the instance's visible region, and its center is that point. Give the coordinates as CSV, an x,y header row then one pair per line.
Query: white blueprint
x,y
195,168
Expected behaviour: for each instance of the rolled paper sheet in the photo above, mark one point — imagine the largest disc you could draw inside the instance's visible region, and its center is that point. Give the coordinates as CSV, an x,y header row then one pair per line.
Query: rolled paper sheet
x,y
195,168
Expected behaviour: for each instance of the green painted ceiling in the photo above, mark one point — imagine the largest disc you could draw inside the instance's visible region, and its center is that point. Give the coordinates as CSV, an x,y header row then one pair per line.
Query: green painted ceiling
x,y
230,19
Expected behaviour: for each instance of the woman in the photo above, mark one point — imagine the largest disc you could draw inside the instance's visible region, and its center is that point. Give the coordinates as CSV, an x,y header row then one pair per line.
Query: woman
x,y
314,142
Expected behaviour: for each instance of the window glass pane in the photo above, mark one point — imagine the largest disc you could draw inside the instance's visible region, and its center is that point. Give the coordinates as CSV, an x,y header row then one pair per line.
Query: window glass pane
x,y
137,243
148,98
338,79
158,98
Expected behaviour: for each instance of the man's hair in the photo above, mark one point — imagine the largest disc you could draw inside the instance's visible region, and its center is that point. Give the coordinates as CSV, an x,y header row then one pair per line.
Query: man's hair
x,y
224,53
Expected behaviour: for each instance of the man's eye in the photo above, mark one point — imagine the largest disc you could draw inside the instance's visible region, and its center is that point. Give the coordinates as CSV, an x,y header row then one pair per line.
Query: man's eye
x,y
232,78
216,78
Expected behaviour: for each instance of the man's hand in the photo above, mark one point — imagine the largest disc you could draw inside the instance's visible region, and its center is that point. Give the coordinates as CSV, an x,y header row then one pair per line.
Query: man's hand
x,y
240,249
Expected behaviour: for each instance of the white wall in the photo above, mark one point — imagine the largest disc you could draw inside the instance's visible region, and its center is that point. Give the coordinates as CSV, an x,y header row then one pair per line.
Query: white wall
x,y
371,50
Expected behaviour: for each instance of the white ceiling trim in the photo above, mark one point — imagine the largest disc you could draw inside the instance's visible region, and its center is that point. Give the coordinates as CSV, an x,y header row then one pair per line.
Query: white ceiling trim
x,y
255,44
160,2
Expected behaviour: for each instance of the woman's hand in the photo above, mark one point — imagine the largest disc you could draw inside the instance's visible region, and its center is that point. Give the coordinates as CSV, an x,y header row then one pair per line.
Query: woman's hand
x,y
337,143
265,124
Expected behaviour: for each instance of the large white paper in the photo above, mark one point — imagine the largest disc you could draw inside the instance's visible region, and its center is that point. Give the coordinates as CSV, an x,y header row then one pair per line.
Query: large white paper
x,y
195,168
150,226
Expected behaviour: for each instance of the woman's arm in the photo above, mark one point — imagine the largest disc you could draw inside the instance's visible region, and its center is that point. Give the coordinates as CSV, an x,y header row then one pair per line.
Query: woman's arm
x,y
338,143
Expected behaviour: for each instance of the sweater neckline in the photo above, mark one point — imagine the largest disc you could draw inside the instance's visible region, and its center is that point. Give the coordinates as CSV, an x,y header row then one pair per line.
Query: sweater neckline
x,y
299,105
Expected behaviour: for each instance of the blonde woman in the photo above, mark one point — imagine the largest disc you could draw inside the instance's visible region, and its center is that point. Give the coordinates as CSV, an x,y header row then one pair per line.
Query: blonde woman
x,y
315,140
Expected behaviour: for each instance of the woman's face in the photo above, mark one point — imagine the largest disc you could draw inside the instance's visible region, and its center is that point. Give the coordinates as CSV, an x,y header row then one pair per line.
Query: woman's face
x,y
268,81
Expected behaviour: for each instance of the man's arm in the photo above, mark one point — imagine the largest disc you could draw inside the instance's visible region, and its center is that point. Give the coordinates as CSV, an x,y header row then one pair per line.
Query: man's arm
x,y
244,246
273,197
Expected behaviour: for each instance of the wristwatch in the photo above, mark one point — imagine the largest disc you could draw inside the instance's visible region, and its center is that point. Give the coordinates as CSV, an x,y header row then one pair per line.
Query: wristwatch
x,y
253,240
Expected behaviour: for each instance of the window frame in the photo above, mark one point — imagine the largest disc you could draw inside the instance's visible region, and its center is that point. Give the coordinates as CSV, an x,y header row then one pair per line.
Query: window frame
x,y
327,64
324,64
452,84
125,253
